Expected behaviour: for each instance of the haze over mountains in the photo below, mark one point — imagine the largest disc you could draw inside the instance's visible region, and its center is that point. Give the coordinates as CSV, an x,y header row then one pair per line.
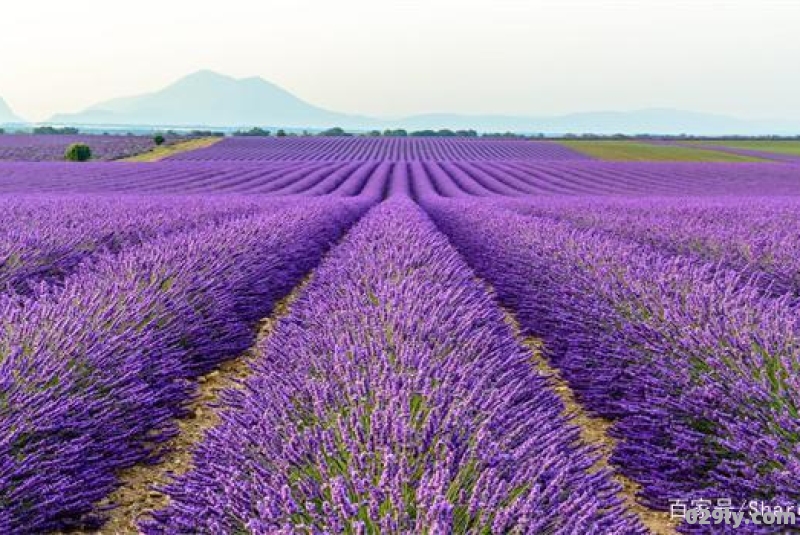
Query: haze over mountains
x,y
209,99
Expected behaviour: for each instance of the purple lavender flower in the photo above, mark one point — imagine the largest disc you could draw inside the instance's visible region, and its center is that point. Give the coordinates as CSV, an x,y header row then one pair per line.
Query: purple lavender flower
x,y
394,398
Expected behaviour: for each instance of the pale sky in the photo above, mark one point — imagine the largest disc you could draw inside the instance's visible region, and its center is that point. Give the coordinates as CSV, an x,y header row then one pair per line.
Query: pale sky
x,y
393,58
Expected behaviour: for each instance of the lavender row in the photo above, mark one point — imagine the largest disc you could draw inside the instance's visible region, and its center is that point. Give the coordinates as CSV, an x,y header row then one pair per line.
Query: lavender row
x,y
758,236
45,238
417,412
249,149
696,366
43,148
92,376
455,178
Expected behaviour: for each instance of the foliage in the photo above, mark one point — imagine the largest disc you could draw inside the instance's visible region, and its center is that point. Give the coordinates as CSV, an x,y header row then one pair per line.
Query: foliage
x,y
334,132
53,131
253,132
78,152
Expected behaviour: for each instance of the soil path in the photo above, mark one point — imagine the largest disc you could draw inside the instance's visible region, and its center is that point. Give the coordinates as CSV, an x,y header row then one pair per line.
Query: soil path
x,y
136,496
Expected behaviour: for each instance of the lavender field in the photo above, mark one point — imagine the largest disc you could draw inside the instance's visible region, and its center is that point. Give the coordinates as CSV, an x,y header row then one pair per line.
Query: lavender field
x,y
389,335
50,148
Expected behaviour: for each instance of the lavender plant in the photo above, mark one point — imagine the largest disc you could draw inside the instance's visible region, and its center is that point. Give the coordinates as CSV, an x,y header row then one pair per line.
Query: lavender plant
x,y
418,412
93,376
695,363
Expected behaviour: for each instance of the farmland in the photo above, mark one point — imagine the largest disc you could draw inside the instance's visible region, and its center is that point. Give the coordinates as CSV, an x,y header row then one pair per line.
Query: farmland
x,y
766,145
767,149
643,152
414,336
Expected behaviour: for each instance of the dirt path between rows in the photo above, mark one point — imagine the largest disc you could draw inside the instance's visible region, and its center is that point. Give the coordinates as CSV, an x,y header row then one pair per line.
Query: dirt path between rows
x,y
136,497
594,432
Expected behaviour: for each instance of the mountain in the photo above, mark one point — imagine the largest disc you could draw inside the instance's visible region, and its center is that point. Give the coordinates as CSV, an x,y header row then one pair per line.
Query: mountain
x,y
208,99
6,115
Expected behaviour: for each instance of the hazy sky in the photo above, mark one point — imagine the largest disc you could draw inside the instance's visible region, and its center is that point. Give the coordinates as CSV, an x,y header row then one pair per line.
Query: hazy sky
x,y
401,57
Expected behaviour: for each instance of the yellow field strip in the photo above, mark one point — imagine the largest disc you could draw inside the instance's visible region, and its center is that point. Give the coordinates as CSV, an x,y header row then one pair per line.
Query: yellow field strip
x,y
165,151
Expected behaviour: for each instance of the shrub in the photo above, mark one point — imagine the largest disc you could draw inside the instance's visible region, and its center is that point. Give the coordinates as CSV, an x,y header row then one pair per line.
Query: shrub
x,y
78,152
158,139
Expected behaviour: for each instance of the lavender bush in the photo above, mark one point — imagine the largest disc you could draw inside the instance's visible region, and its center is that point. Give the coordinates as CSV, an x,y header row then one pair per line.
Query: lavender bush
x,y
756,236
44,239
695,363
93,376
418,413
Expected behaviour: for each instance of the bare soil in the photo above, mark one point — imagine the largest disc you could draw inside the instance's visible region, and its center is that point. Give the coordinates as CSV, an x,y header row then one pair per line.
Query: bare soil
x,y
164,151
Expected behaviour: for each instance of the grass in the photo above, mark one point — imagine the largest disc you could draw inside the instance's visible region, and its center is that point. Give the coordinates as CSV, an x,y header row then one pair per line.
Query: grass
x,y
791,147
627,151
164,151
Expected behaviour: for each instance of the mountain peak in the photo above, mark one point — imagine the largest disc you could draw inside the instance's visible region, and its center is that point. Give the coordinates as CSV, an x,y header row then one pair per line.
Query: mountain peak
x,y
208,98
207,75
204,79
6,115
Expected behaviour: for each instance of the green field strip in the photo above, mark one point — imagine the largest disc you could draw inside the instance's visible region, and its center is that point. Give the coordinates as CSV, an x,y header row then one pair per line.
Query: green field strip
x,y
636,151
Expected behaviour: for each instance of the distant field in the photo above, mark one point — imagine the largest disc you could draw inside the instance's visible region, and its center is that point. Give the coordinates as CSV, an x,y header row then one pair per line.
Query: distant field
x,y
768,145
636,151
355,148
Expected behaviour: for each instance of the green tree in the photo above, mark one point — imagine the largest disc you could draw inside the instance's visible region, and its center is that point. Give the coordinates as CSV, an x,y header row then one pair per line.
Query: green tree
x,y
158,139
78,152
52,131
333,132
281,133
253,132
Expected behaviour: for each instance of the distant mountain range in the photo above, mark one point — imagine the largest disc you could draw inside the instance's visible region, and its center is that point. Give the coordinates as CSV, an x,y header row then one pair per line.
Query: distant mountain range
x,y
648,121
6,115
209,99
